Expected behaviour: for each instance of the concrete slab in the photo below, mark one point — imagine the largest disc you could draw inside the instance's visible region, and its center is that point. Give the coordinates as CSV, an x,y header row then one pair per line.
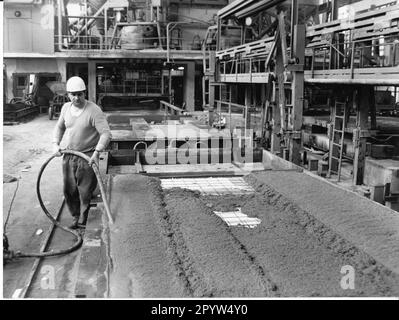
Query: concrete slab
x,y
379,171
92,279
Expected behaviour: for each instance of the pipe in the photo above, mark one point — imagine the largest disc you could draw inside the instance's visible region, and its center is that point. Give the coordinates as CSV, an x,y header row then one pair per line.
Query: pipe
x,y
93,19
294,13
59,25
138,143
86,26
167,43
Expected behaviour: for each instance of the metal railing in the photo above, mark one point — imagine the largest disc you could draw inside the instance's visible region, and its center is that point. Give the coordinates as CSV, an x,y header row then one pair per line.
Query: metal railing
x,y
244,65
169,109
230,108
345,55
84,42
353,55
103,43
134,87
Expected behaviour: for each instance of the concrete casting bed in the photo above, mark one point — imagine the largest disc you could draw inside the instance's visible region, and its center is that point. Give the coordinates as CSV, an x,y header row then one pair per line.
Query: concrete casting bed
x,y
170,243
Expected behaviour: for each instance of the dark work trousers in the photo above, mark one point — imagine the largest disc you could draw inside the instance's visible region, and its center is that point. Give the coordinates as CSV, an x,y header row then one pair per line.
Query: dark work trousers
x,y
79,183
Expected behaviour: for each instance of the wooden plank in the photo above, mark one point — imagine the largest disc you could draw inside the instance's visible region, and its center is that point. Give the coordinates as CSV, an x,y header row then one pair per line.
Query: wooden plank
x,y
122,135
93,268
138,120
378,76
366,33
261,77
103,164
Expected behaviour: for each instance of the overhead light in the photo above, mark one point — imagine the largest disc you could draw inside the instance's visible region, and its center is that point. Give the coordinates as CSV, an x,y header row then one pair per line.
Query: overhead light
x,y
100,67
180,68
248,21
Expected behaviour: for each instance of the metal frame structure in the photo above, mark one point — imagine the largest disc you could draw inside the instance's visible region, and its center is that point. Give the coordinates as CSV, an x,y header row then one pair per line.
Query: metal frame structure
x,y
250,63
350,56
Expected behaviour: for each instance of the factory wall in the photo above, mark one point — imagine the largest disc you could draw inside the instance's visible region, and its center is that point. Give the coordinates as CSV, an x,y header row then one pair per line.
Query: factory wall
x,y
28,28
32,66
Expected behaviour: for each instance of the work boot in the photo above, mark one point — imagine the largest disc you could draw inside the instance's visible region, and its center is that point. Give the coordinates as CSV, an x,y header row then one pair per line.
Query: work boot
x,y
75,222
84,217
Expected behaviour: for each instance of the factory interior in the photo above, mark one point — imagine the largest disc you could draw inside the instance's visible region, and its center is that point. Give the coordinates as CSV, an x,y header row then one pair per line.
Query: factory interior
x,y
254,149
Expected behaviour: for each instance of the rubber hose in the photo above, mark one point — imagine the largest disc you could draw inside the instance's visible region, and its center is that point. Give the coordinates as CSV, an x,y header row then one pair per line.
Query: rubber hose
x,y
79,239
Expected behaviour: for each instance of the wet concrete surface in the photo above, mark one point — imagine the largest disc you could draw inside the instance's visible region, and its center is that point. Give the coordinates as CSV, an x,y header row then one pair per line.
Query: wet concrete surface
x,y
289,254
141,266
367,225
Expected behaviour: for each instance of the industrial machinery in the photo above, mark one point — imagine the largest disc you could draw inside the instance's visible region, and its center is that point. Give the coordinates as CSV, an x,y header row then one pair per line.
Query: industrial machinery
x,y
56,105
59,98
297,64
21,107
111,26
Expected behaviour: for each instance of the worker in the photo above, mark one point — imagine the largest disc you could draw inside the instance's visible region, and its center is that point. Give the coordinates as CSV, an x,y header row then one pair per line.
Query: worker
x,y
108,85
85,129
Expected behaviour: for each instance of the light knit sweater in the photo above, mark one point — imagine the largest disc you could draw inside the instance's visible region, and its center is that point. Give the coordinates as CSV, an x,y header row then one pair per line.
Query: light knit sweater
x,y
86,132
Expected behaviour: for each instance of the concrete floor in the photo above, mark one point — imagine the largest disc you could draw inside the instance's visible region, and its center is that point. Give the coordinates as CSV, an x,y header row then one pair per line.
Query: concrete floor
x,y
25,148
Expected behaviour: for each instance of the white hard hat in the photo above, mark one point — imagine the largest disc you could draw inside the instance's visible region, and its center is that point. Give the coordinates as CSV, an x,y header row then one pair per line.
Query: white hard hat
x,y
75,84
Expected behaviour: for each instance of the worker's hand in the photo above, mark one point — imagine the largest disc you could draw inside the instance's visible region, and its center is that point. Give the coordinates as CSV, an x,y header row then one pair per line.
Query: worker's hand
x,y
56,150
95,158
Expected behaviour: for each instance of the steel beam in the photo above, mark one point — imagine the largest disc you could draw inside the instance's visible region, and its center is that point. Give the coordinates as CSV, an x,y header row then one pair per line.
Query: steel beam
x,y
297,89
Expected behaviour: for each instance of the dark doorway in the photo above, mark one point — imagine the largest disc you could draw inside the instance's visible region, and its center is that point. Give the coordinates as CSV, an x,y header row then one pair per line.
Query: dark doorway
x,y
177,90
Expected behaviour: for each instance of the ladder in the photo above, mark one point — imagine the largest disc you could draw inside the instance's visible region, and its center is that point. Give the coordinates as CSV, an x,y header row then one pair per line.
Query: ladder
x,y
337,139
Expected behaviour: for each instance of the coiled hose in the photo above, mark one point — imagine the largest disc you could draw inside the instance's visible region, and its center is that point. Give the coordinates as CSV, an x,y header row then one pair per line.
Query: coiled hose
x,y
79,239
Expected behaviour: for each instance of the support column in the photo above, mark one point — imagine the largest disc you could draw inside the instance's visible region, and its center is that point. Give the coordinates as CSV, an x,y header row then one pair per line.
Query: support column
x,y
248,102
11,67
211,92
363,107
334,10
297,95
279,101
373,110
91,86
189,86
264,104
